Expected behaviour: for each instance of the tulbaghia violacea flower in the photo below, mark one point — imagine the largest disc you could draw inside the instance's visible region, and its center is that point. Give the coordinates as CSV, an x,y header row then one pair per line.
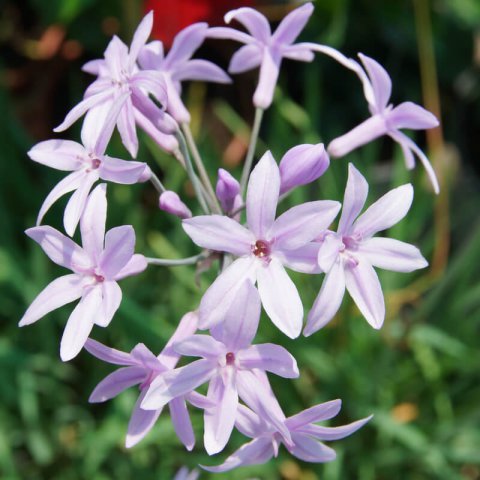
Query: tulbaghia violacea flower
x,y
264,248
301,165
88,163
228,192
103,260
231,365
349,255
121,82
170,202
386,119
177,66
141,367
306,437
264,49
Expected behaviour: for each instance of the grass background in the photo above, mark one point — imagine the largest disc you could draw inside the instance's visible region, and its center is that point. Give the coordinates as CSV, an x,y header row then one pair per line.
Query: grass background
x,y
419,375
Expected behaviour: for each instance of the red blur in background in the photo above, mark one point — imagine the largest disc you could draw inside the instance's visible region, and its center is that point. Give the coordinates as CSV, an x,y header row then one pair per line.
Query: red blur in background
x,y
173,15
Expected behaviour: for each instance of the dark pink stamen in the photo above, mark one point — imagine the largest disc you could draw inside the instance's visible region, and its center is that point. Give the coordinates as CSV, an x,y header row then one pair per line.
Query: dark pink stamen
x,y
261,249
99,278
230,358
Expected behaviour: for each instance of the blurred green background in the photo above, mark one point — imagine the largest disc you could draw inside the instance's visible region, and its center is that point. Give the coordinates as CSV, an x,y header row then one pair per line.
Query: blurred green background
x,y
419,375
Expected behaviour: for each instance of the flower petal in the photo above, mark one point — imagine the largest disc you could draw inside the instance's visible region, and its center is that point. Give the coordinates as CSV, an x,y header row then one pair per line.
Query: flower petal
x,y
61,291
119,247
137,264
60,249
385,212
310,450
140,37
355,197
412,116
121,171
267,81
262,196
246,58
303,259
92,222
111,299
181,422
200,346
280,298
219,233
317,413
328,300
333,433
108,354
126,127
60,154
200,70
80,323
381,82
292,25
116,383
365,289
329,251
186,42
253,21
299,52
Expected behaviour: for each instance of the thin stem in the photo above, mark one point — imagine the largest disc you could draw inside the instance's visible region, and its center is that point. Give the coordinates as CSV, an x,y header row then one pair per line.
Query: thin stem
x,y
157,184
197,186
166,262
201,168
251,149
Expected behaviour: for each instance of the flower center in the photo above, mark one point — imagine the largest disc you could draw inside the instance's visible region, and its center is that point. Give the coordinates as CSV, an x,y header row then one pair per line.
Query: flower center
x,y
261,249
99,278
96,163
230,358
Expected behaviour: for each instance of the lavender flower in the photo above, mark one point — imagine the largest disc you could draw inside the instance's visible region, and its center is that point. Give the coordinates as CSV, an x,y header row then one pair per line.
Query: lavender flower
x,y
386,119
349,255
141,367
231,366
264,49
118,74
264,249
103,260
88,163
177,66
306,437
228,191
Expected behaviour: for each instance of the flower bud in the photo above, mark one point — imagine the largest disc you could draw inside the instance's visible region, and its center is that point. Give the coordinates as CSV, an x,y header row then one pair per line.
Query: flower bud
x,y
227,190
301,165
170,202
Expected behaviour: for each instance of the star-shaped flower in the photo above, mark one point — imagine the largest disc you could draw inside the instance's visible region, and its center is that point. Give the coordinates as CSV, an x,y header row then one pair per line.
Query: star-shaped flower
x,y
103,260
264,248
349,255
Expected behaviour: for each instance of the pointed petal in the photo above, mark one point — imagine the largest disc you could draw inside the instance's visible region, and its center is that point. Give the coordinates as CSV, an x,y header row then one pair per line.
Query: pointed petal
x,y
292,25
198,400
200,70
119,247
249,423
165,141
178,382
140,37
126,127
301,224
181,422
77,202
262,195
92,222
145,358
385,212
241,320
246,58
303,259
188,326
137,264
151,56
355,197
60,249
270,358
60,154
116,57
412,116
116,383
112,297
372,128
93,66
108,354
61,291
141,422
200,346
121,171
256,452
185,44
226,33
317,413
220,295
280,298
219,233
267,81
310,450
333,433
365,289
381,82
253,21
329,251
68,184
80,323
93,122
391,254
175,105
220,419
328,300
299,52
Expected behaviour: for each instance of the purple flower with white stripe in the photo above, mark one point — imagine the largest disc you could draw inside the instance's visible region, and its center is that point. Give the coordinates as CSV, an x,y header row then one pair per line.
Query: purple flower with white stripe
x,y
386,119
306,437
88,163
349,255
140,367
230,364
264,248
264,49
177,66
121,82
103,260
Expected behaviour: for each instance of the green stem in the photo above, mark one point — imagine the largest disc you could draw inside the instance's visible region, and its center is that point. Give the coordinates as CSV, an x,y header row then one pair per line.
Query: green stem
x,y
157,184
251,150
165,262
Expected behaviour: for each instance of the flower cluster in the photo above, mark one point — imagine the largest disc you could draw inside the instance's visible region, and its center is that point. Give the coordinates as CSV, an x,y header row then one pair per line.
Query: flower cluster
x,y
140,87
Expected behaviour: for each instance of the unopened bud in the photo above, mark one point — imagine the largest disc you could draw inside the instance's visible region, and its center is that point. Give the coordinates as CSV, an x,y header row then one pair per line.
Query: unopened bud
x,y
227,190
170,202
